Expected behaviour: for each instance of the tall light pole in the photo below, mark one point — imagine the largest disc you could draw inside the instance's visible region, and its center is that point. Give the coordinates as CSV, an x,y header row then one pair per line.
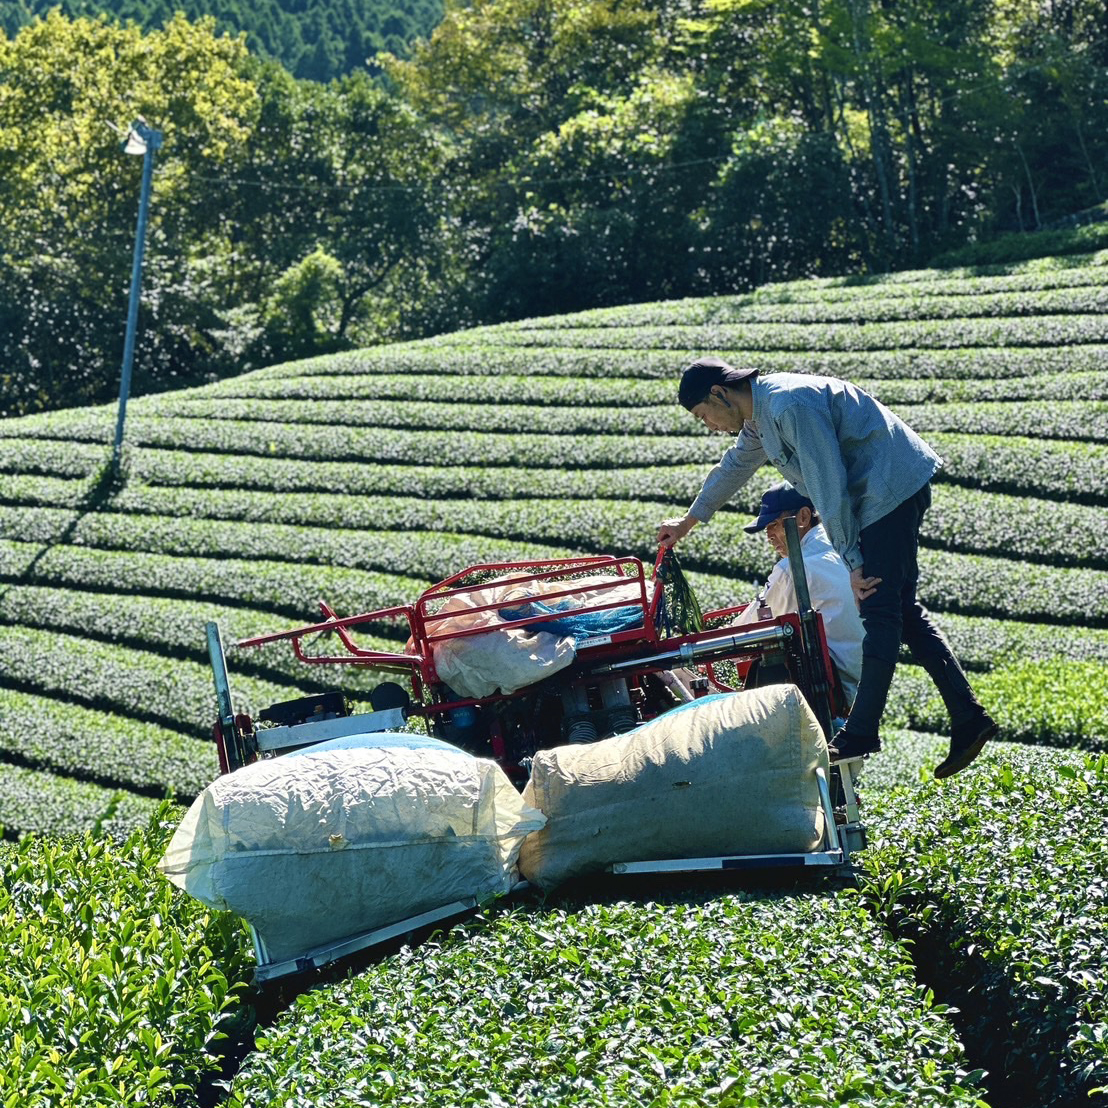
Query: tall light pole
x,y
144,140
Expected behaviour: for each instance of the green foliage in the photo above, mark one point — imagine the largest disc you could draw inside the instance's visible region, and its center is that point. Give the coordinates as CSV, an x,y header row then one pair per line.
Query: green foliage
x,y
331,210
68,197
734,999
304,312
46,802
525,158
116,989
277,585
317,40
1009,248
245,261
992,878
75,741
1072,420
106,676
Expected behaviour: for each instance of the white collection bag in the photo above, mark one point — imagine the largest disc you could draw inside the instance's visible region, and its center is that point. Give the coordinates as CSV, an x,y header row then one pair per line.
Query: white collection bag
x,y
727,774
504,658
348,836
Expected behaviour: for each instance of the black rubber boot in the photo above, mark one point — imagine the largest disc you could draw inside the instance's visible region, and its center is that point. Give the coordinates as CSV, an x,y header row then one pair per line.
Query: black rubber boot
x,y
844,746
966,741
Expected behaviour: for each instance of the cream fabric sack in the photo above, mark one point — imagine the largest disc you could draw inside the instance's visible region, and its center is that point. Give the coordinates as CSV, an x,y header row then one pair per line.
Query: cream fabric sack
x,y
348,836
727,774
506,659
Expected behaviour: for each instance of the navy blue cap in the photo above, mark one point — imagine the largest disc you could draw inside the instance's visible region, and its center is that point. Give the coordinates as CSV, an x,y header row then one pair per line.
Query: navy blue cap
x,y
778,499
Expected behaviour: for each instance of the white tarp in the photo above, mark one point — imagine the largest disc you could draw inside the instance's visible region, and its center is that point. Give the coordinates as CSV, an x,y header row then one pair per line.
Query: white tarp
x,y
728,774
349,836
506,659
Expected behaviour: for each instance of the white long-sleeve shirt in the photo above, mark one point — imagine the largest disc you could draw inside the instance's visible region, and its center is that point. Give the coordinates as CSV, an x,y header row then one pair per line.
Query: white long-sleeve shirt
x,y
831,596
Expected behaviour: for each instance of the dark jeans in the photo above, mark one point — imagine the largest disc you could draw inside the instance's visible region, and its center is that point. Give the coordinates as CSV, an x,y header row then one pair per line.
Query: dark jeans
x,y
893,615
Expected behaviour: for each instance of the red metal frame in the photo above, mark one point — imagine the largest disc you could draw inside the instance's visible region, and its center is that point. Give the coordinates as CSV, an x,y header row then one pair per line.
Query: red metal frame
x,y
420,617
418,659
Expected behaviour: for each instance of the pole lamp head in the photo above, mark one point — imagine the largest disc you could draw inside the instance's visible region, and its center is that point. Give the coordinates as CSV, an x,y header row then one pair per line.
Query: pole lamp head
x,y
140,138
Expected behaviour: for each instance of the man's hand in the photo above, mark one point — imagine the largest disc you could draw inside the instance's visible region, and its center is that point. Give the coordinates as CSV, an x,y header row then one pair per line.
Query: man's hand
x,y
671,530
862,585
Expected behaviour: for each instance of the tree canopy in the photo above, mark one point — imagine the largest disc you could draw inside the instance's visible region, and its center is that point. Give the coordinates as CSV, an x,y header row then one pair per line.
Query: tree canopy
x,y
316,40
528,157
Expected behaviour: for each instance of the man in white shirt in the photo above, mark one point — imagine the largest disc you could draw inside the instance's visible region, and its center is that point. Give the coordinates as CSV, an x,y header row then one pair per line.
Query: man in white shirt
x,y
828,578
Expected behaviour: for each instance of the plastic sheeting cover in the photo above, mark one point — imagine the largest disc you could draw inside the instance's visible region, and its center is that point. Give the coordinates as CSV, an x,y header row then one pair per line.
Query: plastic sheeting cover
x,y
348,836
727,774
505,658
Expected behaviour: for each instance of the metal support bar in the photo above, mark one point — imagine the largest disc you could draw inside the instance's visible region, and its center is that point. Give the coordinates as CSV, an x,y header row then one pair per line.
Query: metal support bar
x,y
846,775
832,831
219,674
331,952
687,653
730,862
301,734
821,680
148,140
234,749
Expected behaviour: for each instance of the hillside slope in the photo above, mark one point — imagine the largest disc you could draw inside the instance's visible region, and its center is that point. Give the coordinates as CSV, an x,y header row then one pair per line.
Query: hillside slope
x,y
362,477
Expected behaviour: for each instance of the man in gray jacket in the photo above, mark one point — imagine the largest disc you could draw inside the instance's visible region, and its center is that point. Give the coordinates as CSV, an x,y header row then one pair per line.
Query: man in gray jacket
x,y
869,475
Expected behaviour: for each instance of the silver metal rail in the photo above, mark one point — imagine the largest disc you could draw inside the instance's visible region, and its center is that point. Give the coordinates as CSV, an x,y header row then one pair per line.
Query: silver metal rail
x,y
689,653
267,970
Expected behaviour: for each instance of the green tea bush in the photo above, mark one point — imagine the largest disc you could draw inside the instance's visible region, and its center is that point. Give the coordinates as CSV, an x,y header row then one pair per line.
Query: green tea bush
x,y
49,457
618,392
115,988
75,741
1042,275
982,643
176,627
993,878
146,686
729,999
1023,527
1075,421
981,521
278,587
1072,420
466,355
360,444
44,803
1047,330
1019,246
1078,470
1055,701
1051,267
1073,471
562,418
923,301
515,389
